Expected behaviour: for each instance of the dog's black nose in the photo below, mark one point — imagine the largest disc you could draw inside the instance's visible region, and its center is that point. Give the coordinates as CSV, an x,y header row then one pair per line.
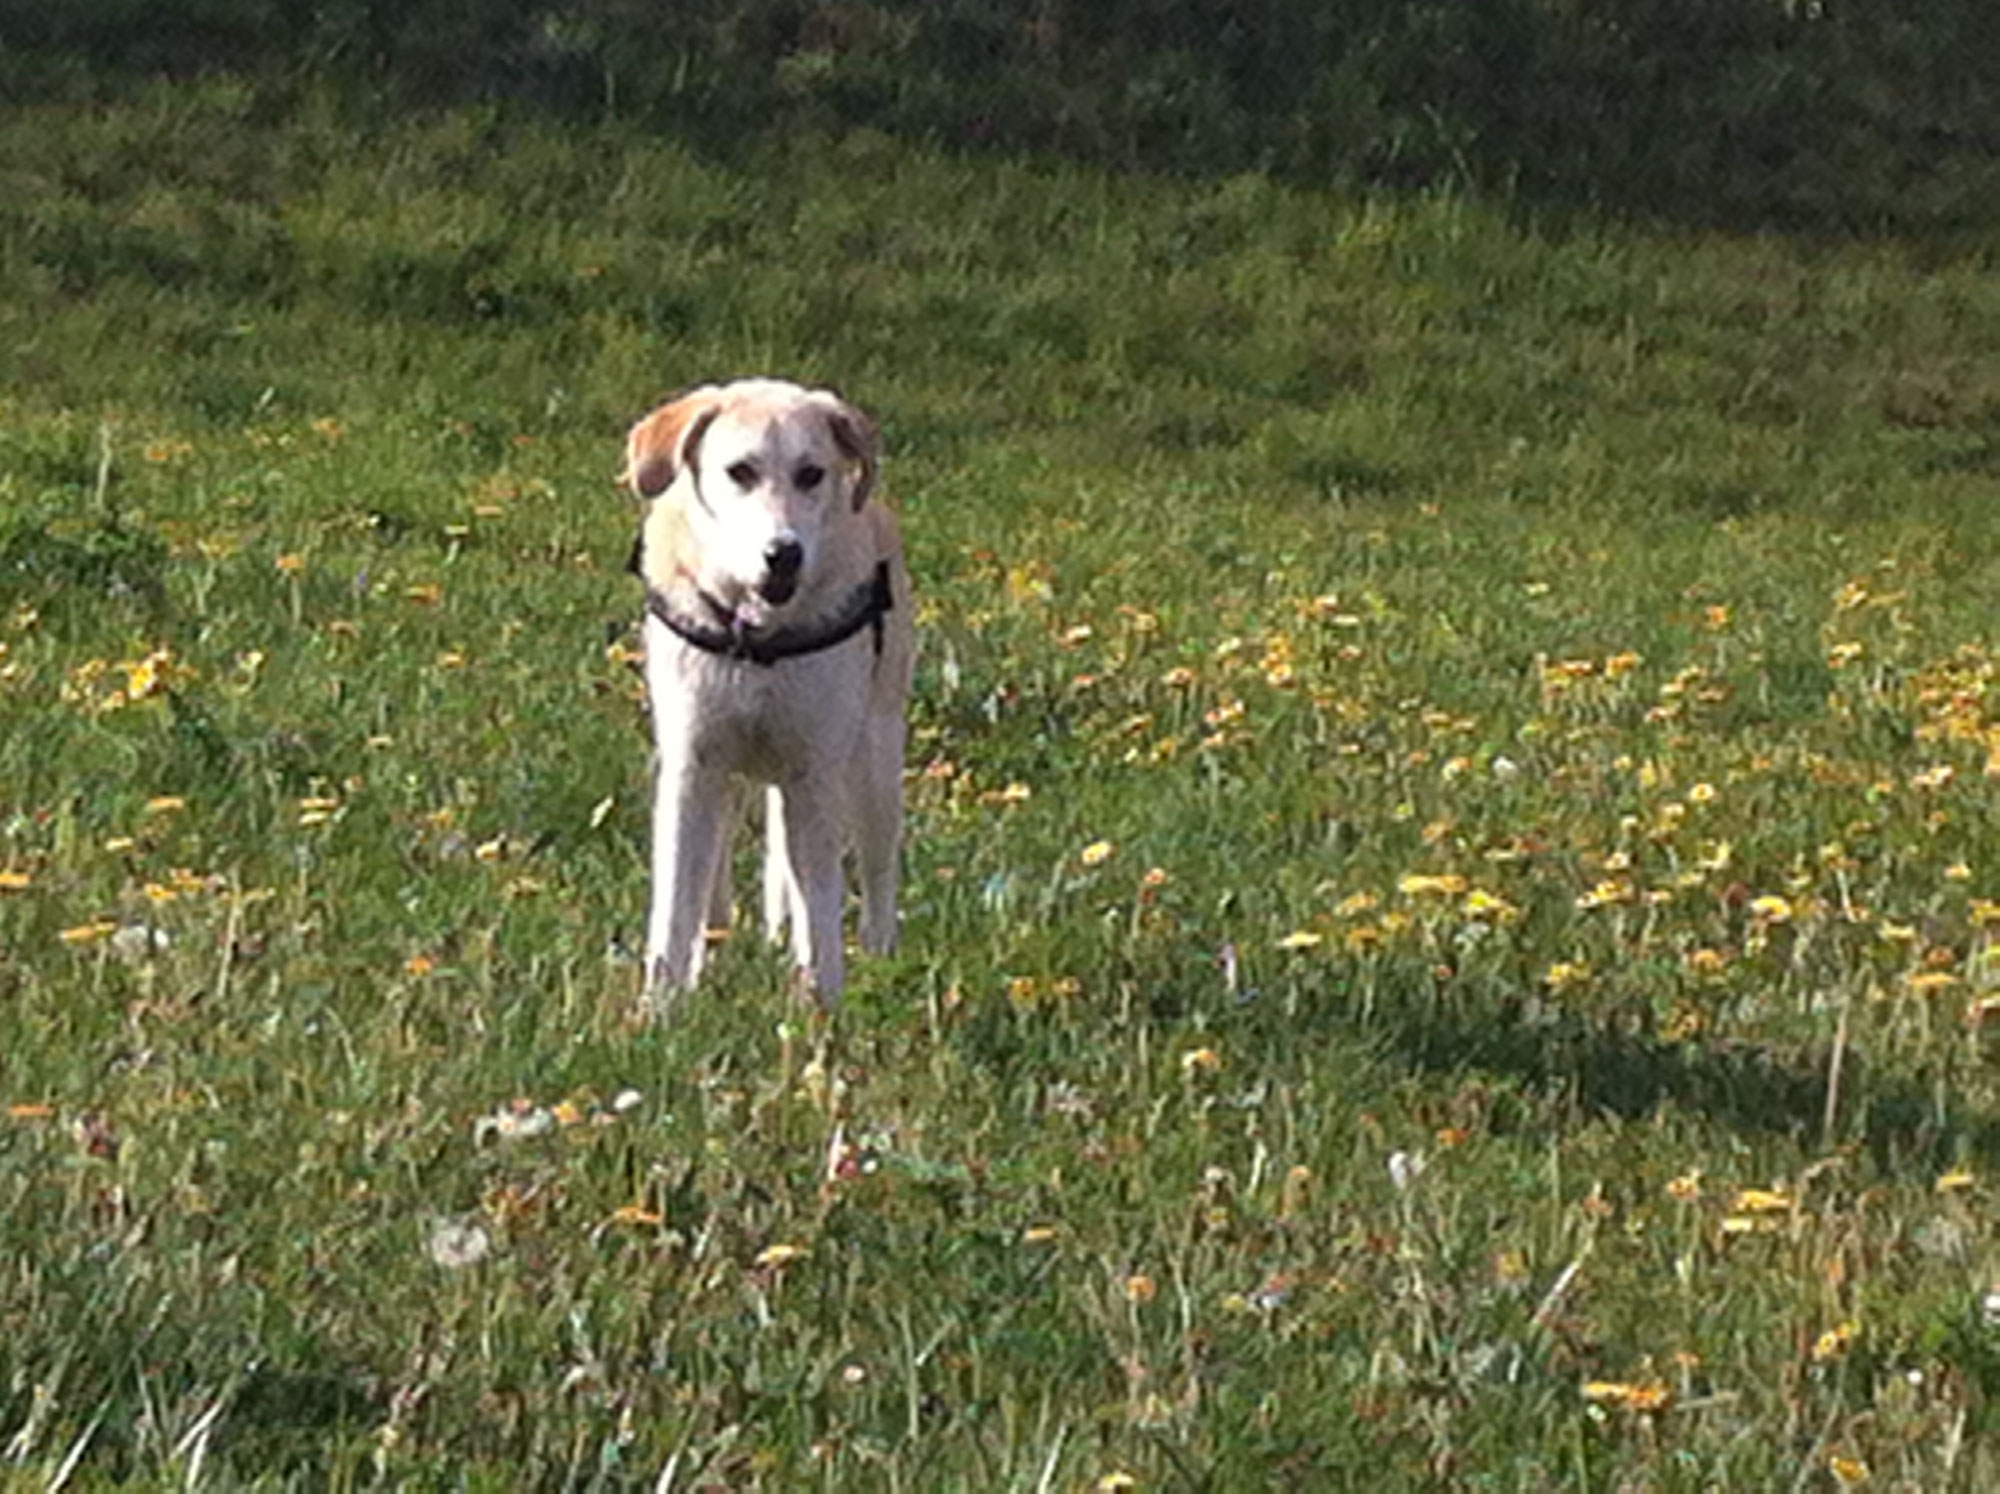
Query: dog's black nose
x,y
784,555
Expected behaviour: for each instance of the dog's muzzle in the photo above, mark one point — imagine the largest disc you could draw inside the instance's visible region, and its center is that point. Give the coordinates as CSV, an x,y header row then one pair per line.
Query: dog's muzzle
x,y
783,559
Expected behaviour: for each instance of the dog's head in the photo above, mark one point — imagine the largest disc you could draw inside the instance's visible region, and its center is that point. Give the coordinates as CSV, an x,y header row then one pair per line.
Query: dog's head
x,y
767,476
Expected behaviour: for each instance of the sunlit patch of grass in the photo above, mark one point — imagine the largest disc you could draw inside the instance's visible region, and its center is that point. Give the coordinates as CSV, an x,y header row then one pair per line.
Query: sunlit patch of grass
x,y
1450,904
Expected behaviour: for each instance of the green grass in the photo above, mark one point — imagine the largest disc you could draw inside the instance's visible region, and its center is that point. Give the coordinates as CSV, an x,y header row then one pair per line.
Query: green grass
x,y
1393,682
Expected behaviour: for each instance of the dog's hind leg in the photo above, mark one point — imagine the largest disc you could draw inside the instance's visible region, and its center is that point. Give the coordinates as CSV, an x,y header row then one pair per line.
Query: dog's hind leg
x,y
721,913
814,885
781,894
878,833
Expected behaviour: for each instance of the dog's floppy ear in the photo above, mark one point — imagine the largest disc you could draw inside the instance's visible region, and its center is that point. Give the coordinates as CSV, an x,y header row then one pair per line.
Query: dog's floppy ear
x,y
665,441
857,437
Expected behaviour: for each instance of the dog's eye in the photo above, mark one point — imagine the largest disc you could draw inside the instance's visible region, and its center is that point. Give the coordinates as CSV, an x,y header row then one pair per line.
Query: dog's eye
x,y
743,475
808,477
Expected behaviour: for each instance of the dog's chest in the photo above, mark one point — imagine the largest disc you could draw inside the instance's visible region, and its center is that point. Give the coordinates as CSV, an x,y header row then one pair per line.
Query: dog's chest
x,y
767,722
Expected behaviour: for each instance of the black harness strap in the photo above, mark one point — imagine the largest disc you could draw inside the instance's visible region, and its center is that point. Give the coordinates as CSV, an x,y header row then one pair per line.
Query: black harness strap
x,y
866,606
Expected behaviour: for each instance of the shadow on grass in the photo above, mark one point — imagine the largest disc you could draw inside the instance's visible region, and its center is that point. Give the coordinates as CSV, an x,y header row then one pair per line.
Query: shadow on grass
x,y
1905,1119
281,1419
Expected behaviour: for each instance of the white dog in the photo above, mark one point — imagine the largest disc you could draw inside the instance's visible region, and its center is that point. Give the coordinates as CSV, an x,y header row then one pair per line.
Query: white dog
x,y
779,643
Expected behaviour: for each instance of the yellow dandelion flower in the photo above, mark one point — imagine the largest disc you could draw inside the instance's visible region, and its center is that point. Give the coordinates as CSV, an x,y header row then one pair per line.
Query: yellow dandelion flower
x,y
1140,1288
1604,894
1416,884
1750,1224
1956,1181
142,676
1761,1201
15,881
1929,982
1200,1060
1363,938
1302,939
1096,853
1566,975
1355,904
1770,908
1707,962
1649,1395
1178,678
781,1255
1686,1188
1847,1472
1040,1234
291,562
1843,654
1833,1343
1702,793
88,933
1958,871
425,593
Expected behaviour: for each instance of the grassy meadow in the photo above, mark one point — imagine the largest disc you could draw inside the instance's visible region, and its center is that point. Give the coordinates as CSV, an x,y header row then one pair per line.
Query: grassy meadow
x,y
1452,878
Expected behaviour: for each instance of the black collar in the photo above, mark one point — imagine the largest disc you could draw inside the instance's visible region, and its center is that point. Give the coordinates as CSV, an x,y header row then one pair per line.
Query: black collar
x,y
865,607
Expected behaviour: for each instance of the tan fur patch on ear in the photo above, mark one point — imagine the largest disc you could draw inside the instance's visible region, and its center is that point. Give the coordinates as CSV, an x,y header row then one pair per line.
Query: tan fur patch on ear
x,y
659,446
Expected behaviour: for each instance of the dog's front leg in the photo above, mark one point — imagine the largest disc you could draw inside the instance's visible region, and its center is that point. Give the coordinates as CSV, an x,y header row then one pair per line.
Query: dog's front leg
x,y
689,809
781,895
812,852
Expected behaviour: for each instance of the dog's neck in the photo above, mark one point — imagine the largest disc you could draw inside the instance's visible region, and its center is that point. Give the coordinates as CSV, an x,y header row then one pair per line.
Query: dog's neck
x,y
708,624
